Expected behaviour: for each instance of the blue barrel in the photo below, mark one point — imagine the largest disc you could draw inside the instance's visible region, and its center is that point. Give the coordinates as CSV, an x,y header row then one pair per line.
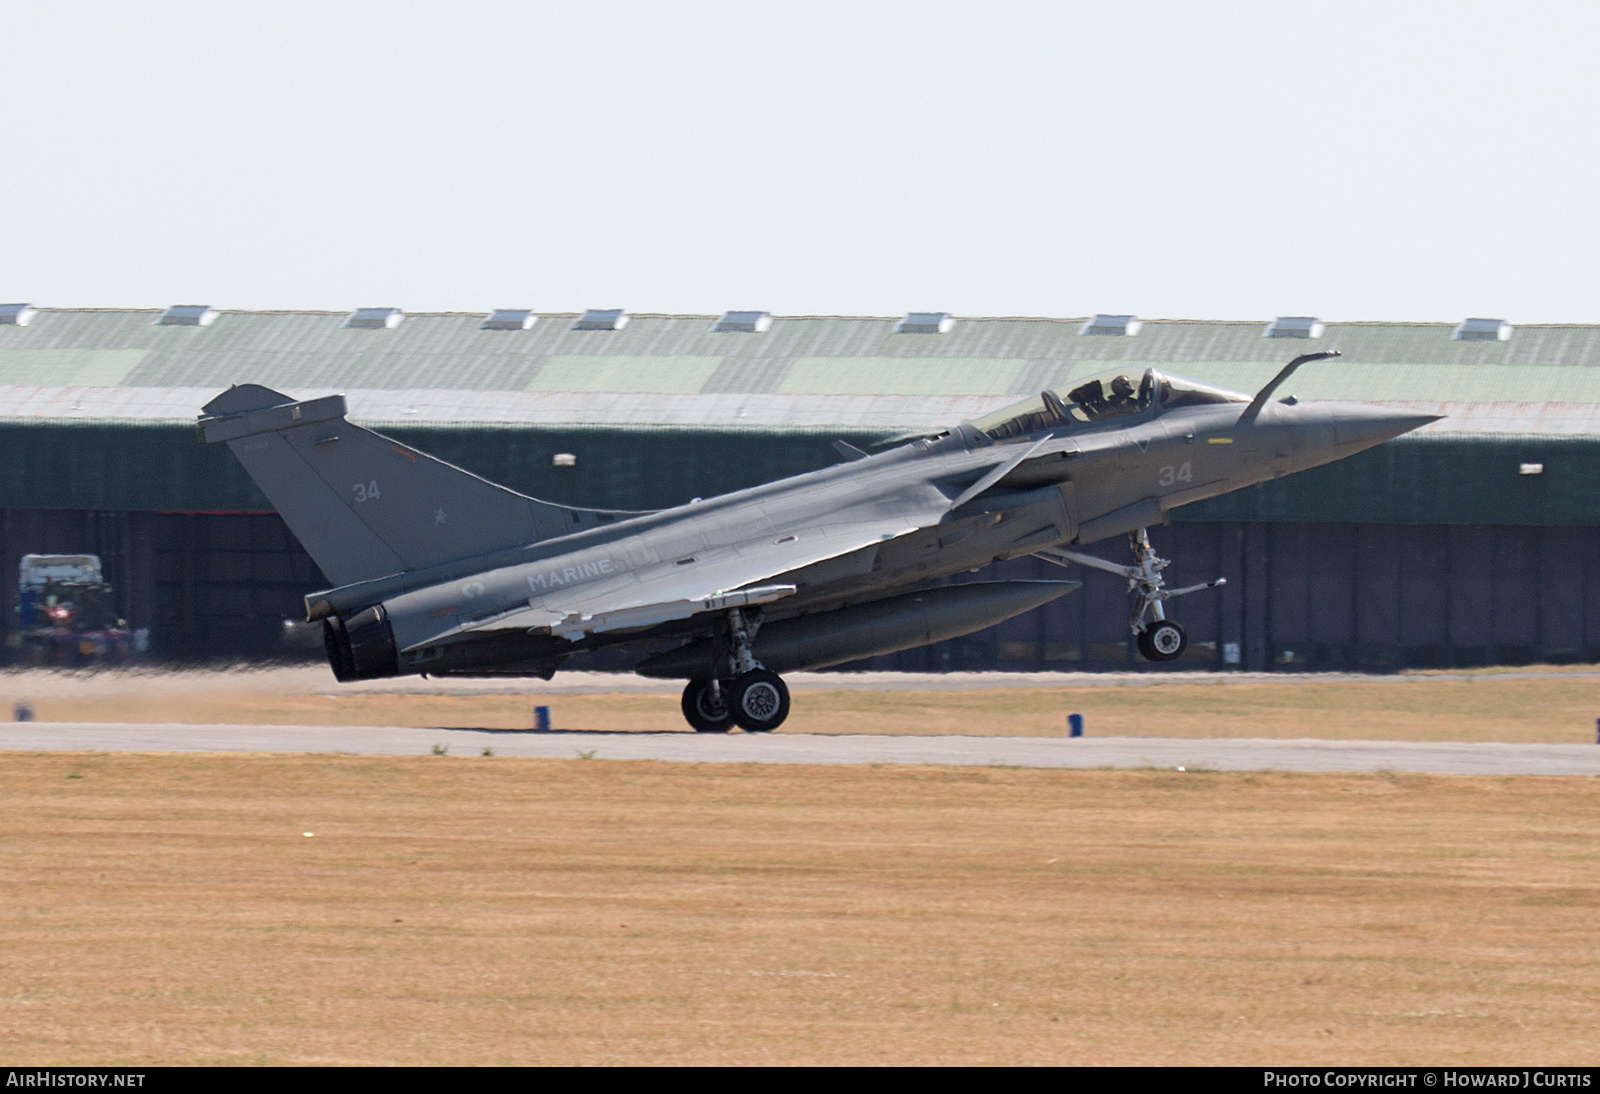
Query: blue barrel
x,y
1074,725
541,717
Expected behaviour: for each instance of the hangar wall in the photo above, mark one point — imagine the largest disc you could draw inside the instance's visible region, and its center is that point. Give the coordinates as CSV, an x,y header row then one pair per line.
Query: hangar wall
x,y
1422,553
1300,596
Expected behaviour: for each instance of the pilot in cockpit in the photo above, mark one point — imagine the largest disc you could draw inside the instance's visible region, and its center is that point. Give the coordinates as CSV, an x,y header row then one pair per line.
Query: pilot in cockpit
x,y
1123,395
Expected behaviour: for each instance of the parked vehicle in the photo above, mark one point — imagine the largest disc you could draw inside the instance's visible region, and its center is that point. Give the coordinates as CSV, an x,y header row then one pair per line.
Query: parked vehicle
x,y
66,614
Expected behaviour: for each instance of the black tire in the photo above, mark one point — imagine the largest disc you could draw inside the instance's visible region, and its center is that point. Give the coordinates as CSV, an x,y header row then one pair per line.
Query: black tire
x,y
1163,641
701,710
760,701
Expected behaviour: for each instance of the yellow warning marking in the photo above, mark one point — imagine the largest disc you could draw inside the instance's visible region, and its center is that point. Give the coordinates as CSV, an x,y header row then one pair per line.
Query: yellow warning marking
x,y
1219,440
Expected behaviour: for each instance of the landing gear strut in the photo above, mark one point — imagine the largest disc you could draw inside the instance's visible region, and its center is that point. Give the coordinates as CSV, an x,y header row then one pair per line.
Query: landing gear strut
x,y
750,695
1159,639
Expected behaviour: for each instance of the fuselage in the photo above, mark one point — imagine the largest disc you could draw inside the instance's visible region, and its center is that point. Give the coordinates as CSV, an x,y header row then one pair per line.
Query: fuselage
x,y
1082,481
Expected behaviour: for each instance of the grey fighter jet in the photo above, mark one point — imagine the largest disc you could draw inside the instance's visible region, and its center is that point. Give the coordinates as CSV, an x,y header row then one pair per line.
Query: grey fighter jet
x,y
440,572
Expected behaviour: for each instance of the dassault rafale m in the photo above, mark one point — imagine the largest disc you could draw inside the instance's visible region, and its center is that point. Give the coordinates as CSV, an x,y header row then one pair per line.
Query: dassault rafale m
x,y
440,572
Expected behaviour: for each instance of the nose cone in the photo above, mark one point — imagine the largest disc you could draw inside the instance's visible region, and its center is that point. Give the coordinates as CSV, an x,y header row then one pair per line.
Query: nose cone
x,y
1357,426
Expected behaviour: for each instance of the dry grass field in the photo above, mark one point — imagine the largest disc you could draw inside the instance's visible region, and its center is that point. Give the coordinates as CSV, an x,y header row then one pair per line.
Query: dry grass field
x,y
172,909
1561,707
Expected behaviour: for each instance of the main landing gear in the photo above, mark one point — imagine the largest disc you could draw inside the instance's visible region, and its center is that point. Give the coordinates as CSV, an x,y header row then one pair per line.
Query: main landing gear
x,y
1159,639
750,696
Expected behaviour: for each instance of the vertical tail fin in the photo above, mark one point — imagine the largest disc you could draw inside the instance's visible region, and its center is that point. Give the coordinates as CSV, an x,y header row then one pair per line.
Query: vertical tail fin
x,y
365,506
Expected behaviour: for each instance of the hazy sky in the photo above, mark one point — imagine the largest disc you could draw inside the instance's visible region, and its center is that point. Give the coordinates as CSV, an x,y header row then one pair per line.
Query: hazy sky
x,y
1401,161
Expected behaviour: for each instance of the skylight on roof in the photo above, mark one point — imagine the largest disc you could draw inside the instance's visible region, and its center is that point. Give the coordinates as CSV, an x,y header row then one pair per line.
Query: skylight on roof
x,y
508,319
1482,330
1295,326
1114,325
602,319
746,322
187,315
17,315
925,322
375,318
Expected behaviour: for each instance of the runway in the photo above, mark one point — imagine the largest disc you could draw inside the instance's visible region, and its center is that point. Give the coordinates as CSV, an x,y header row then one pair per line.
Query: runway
x,y
1193,754
317,680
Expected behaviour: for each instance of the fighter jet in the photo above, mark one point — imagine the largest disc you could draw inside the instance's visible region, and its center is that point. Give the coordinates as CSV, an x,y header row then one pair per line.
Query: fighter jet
x,y
439,572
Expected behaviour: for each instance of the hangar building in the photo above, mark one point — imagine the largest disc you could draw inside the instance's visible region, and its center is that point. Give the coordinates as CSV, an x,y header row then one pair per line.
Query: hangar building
x,y
1471,542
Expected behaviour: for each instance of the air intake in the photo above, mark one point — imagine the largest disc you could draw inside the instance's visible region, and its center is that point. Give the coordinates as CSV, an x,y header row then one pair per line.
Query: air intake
x,y
508,319
1482,330
1295,326
187,315
602,319
744,322
17,315
375,318
1114,325
925,322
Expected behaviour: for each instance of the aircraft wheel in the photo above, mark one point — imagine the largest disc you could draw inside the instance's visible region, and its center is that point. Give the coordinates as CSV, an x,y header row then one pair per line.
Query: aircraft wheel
x,y
702,710
760,701
1163,641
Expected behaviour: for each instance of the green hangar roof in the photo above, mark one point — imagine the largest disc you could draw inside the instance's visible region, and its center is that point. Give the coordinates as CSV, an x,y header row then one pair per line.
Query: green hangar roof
x,y
96,405
798,356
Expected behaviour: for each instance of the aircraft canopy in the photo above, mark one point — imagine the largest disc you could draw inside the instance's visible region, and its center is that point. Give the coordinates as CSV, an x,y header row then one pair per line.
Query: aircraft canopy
x,y
1109,394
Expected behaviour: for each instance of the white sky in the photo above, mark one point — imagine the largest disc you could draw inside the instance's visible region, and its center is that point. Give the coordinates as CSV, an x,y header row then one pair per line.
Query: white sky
x,y
1392,160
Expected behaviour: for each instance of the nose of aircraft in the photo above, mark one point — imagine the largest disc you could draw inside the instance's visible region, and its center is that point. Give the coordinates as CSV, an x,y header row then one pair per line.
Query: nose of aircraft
x,y
1357,426
1325,431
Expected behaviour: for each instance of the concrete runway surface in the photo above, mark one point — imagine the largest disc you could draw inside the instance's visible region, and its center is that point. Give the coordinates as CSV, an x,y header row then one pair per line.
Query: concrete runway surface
x,y
1231,754
317,680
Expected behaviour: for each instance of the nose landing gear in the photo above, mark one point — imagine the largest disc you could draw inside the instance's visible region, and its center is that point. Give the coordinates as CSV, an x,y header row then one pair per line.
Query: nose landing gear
x,y
751,696
1165,640
1159,639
